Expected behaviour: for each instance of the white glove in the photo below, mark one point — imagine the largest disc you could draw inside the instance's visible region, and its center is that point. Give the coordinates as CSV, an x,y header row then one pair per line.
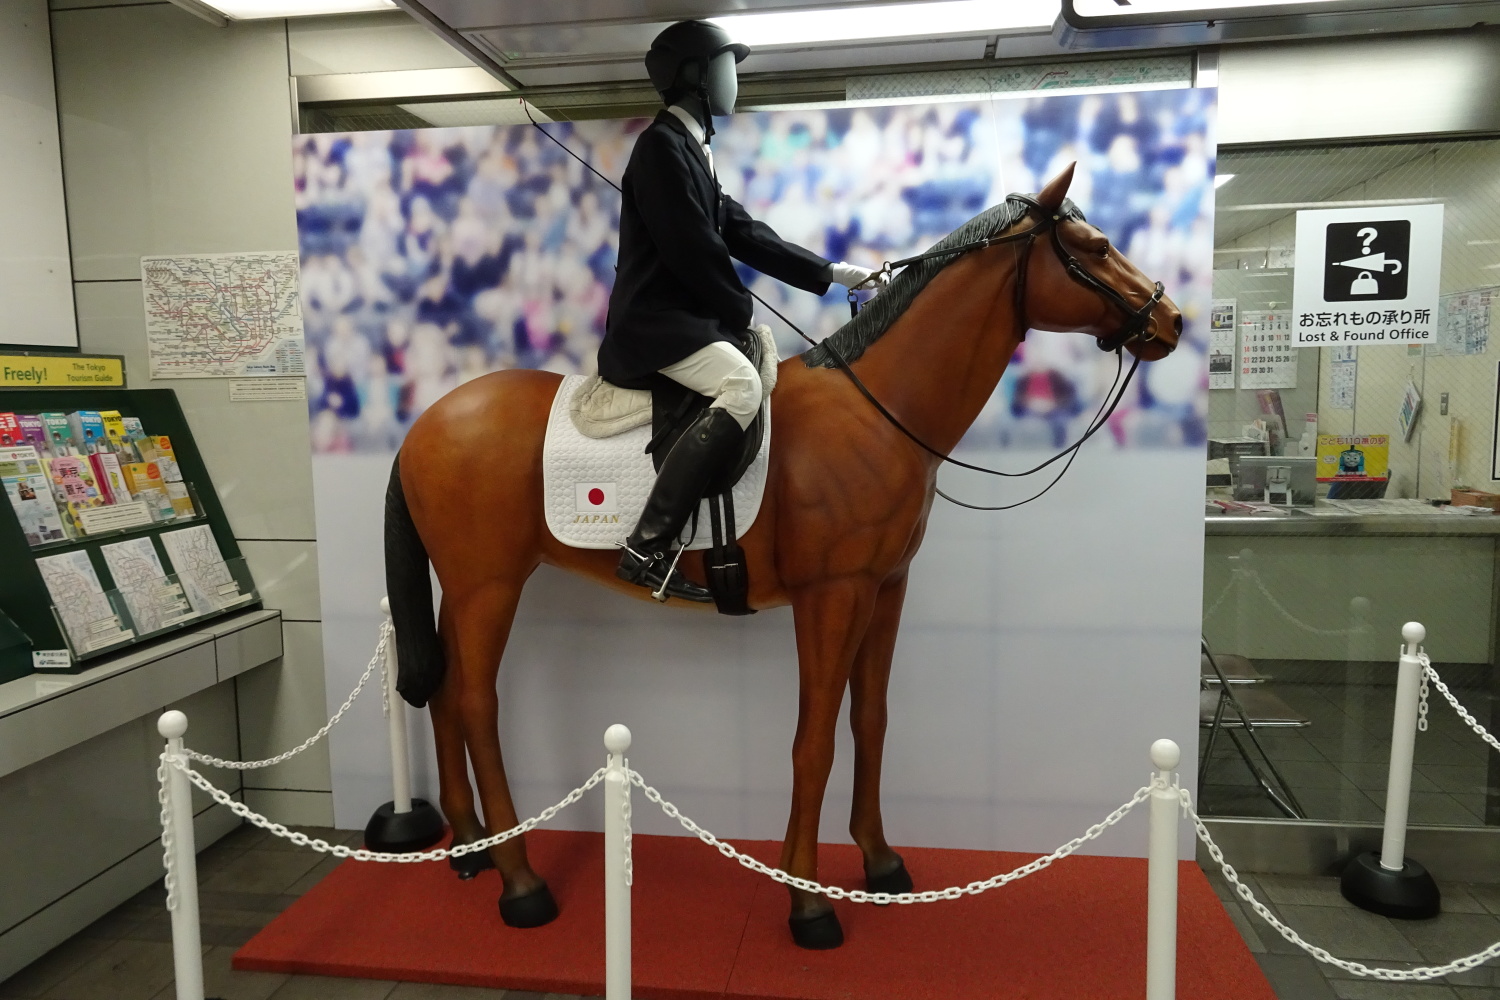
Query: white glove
x,y
854,276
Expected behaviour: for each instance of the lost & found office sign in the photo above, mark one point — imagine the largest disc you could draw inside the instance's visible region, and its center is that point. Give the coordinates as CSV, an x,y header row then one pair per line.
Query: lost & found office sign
x,y
1367,275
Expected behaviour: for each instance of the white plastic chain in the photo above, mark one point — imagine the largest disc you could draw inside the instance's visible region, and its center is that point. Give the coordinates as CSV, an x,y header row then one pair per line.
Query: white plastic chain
x,y
250,765
1220,599
629,833
1429,674
361,854
860,895
1422,691
1321,954
168,856
1281,610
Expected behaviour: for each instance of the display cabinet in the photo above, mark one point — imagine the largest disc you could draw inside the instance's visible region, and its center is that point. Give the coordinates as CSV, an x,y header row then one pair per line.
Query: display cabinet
x,y
155,577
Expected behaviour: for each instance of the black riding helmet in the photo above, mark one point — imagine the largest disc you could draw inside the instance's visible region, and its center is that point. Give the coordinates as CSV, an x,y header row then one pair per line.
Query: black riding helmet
x,y
687,42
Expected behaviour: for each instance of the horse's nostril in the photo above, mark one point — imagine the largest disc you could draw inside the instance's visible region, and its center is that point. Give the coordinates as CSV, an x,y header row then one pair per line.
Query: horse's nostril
x,y
1177,324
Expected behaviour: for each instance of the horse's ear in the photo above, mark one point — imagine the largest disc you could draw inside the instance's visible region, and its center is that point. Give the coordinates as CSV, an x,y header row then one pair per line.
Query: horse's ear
x,y
1057,188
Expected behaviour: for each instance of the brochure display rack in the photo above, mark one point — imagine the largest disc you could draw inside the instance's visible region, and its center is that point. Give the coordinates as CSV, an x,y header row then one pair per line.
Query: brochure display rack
x,y
113,534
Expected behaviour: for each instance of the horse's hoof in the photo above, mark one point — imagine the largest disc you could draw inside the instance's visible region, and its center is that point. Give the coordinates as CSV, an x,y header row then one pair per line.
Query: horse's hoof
x,y
531,910
817,933
469,865
895,881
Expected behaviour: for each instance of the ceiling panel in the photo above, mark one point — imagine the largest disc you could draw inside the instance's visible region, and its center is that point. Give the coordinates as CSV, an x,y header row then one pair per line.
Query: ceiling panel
x,y
564,75
574,40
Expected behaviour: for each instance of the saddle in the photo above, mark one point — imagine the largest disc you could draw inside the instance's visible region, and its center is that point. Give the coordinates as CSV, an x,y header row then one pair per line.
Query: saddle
x,y
600,410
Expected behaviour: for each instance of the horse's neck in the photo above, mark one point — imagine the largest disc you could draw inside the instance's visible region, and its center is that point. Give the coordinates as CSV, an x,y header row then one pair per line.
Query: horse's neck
x,y
940,360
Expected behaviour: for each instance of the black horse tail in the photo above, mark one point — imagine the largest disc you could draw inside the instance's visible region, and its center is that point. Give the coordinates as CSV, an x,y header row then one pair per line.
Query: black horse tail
x,y
419,651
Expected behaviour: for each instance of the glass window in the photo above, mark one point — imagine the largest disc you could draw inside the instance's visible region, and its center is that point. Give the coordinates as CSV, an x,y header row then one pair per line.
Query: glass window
x,y
1308,581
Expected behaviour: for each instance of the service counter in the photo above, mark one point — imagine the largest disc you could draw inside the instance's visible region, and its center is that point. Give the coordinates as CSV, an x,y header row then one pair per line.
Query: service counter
x,y
1328,583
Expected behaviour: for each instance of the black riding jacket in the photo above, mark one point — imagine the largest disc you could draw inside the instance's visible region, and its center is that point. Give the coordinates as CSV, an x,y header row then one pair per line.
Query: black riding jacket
x,y
676,290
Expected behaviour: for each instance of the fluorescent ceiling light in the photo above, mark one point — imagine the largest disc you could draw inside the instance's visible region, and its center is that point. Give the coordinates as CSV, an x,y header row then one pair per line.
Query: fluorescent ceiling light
x,y
900,20
1287,206
251,10
1221,179
1117,8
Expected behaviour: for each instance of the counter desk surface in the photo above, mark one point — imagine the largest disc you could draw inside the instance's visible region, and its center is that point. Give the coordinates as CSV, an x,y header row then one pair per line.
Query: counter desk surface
x,y
1371,518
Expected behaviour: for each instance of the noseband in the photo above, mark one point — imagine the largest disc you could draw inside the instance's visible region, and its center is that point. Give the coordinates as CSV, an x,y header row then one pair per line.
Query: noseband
x,y
1137,321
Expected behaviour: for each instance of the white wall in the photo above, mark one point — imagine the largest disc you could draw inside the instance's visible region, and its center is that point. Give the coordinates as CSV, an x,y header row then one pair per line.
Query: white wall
x,y
1378,86
176,139
35,280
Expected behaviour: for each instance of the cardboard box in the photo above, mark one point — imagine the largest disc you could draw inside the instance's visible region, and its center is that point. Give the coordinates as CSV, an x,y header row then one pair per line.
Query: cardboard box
x,y
1477,498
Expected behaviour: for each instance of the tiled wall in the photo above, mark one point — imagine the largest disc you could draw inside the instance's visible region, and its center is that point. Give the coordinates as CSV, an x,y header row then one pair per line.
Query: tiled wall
x,y
176,139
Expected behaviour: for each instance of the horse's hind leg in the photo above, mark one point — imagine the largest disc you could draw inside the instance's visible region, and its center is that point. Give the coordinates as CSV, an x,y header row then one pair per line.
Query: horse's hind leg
x,y
481,625
455,794
868,682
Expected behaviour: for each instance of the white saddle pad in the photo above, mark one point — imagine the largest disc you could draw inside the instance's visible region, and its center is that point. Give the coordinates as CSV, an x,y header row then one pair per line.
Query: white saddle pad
x,y
595,488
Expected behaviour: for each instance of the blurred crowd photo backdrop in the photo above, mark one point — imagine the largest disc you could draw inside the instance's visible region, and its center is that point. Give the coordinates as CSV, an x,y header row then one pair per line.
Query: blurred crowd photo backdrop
x,y
1042,649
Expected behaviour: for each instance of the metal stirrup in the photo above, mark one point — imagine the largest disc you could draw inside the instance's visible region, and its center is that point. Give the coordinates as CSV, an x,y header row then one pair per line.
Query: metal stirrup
x,y
660,594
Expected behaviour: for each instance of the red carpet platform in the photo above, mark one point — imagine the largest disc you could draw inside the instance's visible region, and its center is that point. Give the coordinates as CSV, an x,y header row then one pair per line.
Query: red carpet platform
x,y
706,928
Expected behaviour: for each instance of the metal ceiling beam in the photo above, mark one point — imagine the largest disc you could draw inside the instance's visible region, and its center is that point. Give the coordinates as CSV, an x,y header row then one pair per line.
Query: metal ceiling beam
x,y
456,39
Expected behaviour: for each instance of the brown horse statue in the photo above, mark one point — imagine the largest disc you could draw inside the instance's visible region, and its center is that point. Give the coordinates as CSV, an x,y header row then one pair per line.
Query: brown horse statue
x,y
846,502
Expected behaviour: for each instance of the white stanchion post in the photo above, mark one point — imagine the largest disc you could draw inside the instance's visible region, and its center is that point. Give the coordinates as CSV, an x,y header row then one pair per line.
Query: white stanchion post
x,y
1392,884
1403,748
400,756
1161,892
616,867
187,945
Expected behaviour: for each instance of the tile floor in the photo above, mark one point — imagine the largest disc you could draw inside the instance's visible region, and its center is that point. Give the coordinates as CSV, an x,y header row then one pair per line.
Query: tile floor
x,y
249,877
1470,922
1336,766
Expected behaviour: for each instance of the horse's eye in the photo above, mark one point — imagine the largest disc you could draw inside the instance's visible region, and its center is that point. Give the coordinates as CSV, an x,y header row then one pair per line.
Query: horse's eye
x,y
1102,250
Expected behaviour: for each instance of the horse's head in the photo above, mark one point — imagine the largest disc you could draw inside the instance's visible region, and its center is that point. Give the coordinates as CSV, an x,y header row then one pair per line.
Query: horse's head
x,y
1076,280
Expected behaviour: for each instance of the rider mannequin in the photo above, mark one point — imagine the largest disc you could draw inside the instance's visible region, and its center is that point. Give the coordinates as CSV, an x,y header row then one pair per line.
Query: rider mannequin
x,y
678,304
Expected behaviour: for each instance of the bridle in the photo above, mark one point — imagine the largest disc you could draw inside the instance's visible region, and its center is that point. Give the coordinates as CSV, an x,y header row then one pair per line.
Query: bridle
x,y
1136,327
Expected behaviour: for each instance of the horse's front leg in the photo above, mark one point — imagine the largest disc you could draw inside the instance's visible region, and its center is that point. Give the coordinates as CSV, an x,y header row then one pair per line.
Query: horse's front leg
x,y
868,683
830,619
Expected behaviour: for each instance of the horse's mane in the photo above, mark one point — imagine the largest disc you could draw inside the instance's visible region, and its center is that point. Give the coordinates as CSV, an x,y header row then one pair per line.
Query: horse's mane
x,y
855,337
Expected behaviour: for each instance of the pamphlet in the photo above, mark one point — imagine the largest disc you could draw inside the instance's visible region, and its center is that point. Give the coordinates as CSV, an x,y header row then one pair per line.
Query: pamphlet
x,y
160,451
154,602
75,487
30,495
200,568
79,600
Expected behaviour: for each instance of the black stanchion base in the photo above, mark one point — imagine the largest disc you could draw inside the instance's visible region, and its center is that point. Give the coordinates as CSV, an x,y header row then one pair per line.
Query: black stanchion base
x,y
403,833
1409,894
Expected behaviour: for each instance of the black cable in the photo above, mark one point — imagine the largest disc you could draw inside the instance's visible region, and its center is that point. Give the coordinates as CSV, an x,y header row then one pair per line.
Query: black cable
x,y
843,365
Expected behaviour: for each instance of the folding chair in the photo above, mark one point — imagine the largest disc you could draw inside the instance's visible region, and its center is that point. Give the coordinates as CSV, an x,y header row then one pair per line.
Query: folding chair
x,y
1237,705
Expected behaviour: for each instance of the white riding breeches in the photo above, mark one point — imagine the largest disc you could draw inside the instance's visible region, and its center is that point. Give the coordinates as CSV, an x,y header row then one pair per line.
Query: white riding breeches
x,y
726,375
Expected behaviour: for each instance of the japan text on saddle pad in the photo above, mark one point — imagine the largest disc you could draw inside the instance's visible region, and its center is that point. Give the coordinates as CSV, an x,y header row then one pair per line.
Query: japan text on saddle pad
x,y
595,488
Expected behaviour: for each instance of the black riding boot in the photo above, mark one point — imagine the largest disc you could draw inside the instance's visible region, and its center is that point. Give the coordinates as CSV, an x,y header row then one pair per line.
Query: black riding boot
x,y
697,457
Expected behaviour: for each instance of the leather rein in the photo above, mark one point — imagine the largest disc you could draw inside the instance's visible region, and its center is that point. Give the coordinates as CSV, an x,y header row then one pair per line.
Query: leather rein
x,y
1136,327
1137,321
